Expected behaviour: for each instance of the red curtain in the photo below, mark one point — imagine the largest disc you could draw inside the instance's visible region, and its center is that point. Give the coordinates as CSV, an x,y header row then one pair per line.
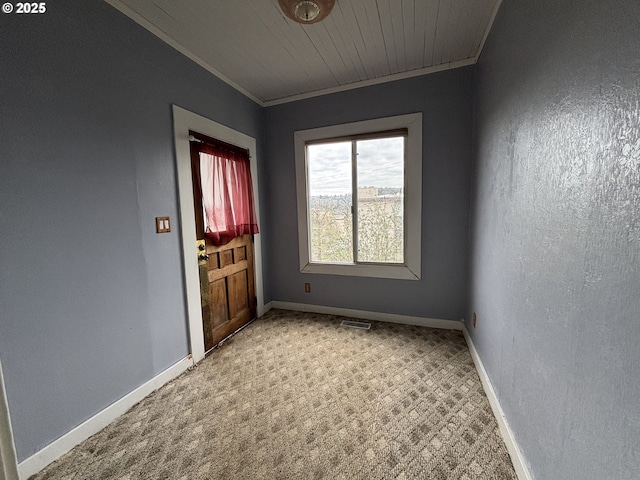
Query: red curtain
x,y
227,194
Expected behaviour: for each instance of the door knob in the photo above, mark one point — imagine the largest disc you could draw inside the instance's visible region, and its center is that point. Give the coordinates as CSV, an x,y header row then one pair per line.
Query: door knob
x,y
203,256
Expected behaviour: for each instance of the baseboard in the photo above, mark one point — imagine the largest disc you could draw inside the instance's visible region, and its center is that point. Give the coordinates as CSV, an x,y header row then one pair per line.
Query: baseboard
x,y
367,315
93,425
517,459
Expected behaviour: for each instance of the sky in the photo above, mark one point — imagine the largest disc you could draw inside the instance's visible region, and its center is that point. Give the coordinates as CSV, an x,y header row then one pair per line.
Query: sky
x,y
380,164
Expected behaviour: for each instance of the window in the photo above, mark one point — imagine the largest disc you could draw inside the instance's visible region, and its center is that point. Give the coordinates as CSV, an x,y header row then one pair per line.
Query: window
x,y
359,198
355,195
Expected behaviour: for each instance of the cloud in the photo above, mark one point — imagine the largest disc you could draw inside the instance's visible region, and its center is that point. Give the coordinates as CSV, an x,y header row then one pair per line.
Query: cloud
x,y
380,163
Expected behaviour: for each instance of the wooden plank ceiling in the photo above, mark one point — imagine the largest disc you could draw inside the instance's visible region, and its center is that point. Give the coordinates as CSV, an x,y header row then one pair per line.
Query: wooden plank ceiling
x,y
253,46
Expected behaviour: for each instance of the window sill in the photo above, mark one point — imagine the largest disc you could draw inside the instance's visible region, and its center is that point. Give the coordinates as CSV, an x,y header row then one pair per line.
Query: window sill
x,y
400,272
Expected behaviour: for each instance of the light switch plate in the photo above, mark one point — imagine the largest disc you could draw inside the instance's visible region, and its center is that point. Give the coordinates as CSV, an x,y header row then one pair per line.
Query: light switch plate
x,y
163,225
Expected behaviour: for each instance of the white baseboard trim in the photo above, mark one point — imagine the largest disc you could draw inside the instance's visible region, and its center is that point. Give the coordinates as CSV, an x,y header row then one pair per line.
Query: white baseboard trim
x,y
93,425
519,464
367,315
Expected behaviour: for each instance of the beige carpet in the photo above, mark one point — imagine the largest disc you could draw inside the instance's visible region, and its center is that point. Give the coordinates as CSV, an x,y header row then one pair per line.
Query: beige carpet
x,y
297,396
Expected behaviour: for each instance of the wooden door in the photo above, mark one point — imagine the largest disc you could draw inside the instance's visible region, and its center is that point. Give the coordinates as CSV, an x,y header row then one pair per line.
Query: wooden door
x,y
227,289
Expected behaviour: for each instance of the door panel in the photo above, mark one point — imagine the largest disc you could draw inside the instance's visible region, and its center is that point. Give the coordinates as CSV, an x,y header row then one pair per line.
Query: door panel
x,y
218,304
238,294
226,258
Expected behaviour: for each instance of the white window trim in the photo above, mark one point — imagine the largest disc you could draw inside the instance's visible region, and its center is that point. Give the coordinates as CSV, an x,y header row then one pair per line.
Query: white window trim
x,y
411,270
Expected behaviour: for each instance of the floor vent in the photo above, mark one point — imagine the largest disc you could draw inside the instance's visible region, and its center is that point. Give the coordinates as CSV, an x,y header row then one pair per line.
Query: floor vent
x,y
352,324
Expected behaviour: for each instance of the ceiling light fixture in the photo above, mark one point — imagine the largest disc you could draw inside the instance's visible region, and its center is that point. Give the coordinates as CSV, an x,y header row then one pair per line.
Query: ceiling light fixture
x,y
306,11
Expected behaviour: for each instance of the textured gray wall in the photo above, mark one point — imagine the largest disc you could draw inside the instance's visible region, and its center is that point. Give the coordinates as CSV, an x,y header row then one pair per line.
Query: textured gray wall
x,y
445,99
91,298
556,232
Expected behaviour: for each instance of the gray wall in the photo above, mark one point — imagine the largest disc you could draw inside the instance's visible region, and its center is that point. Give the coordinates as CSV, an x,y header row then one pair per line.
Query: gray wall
x,y
91,298
445,99
555,274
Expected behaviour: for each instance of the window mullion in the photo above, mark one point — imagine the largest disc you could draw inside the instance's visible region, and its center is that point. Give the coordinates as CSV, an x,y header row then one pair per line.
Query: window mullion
x,y
354,198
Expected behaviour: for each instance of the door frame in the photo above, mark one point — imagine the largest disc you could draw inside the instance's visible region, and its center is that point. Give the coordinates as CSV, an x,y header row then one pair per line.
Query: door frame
x,y
8,460
183,121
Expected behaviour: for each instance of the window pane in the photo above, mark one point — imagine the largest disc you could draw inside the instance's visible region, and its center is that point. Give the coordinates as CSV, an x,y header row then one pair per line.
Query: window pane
x,y
380,220
329,183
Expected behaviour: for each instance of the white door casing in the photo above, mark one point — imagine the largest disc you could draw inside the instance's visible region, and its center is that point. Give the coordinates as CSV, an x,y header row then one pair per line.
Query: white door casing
x,y
8,461
183,121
